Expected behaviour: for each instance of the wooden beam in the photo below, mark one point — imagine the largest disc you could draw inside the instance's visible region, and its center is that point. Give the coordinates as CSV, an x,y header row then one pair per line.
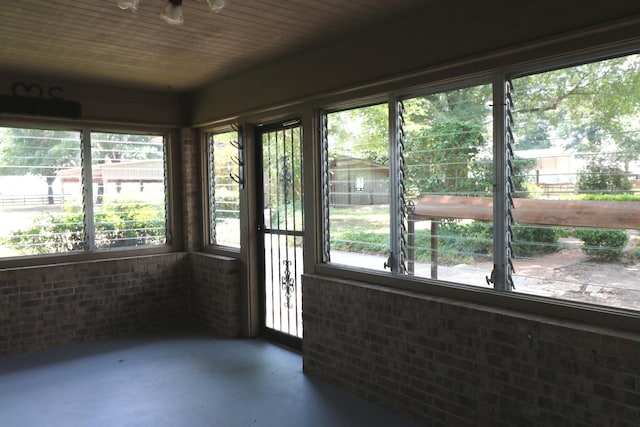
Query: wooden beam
x,y
563,213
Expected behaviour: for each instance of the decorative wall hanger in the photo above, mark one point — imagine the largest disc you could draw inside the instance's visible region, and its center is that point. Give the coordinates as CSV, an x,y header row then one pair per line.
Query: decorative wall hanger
x,y
29,99
239,160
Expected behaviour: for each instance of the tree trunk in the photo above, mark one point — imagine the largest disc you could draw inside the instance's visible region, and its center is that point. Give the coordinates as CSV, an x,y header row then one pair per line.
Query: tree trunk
x,y
50,180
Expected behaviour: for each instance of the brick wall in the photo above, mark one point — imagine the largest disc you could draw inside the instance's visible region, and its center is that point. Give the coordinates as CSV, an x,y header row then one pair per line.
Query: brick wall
x,y
191,189
51,306
215,293
448,363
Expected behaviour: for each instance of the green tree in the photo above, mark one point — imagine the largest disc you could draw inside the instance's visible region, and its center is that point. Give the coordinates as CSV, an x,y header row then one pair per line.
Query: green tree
x,y
38,152
41,152
361,132
118,147
442,157
534,135
588,106
447,146
603,176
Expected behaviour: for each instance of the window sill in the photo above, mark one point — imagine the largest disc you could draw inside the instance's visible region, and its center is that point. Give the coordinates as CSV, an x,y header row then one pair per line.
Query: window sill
x,y
533,305
54,259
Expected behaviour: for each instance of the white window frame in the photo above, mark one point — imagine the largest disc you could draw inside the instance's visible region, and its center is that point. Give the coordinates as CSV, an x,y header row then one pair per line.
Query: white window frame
x,y
501,276
238,177
90,252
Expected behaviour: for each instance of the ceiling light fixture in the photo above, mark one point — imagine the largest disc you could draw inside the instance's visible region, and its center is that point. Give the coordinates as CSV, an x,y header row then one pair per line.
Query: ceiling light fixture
x,y
172,13
216,5
128,4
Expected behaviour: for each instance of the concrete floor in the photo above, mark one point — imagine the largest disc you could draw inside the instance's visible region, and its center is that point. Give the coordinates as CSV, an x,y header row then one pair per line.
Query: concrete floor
x,y
194,380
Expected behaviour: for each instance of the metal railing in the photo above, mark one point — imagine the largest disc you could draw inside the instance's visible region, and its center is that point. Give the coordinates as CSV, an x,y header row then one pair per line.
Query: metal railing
x,y
31,200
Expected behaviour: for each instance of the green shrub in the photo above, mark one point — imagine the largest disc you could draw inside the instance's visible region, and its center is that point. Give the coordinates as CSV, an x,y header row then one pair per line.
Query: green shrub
x,y
535,240
465,239
476,238
50,234
624,197
602,244
361,242
126,224
603,175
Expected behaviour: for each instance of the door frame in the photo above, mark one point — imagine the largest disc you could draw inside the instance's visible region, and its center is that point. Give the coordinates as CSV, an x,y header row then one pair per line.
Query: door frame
x,y
271,334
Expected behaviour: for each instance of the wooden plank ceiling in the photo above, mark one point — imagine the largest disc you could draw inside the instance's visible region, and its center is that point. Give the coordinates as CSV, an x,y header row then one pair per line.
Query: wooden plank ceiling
x,y
97,42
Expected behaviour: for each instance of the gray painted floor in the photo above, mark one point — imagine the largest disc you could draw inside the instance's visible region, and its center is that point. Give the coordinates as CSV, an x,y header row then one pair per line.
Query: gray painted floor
x,y
188,381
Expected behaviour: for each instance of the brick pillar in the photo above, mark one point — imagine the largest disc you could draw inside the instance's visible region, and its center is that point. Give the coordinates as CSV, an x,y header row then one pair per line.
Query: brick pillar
x,y
191,189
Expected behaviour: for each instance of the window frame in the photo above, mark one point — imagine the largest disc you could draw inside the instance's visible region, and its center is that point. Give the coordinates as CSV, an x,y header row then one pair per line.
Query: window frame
x,y
325,221
595,314
208,192
173,198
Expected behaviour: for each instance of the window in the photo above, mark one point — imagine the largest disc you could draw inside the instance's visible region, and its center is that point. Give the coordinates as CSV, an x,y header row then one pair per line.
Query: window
x,y
358,172
225,172
41,211
47,207
577,130
129,197
537,194
448,185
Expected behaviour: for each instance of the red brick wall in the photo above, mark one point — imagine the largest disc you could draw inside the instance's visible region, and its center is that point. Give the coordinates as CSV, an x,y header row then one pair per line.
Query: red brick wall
x,y
448,363
51,306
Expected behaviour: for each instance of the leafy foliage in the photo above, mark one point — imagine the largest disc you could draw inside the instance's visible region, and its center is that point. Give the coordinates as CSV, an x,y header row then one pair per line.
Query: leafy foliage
x,y
476,238
447,148
602,244
116,225
587,106
38,152
530,241
441,158
361,242
624,197
361,132
471,239
604,176
49,233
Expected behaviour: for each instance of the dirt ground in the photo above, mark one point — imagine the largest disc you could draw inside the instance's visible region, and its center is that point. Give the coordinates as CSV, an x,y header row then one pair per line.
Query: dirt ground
x,y
567,274
570,274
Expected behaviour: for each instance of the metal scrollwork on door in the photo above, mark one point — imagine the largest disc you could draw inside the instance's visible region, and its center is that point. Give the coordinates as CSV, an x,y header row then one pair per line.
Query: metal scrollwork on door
x,y
288,284
286,179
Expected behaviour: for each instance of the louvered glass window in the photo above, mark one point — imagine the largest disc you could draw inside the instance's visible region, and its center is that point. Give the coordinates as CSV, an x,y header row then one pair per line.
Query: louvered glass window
x,y
224,163
61,192
448,157
528,186
577,130
358,186
129,191
40,196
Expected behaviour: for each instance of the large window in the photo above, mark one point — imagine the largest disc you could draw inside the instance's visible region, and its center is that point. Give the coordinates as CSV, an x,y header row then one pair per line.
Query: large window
x,y
576,230
358,172
528,186
129,197
448,184
47,206
225,168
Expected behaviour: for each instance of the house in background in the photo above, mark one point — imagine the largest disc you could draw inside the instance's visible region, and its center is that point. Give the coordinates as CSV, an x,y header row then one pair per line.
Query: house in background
x,y
356,181
111,176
